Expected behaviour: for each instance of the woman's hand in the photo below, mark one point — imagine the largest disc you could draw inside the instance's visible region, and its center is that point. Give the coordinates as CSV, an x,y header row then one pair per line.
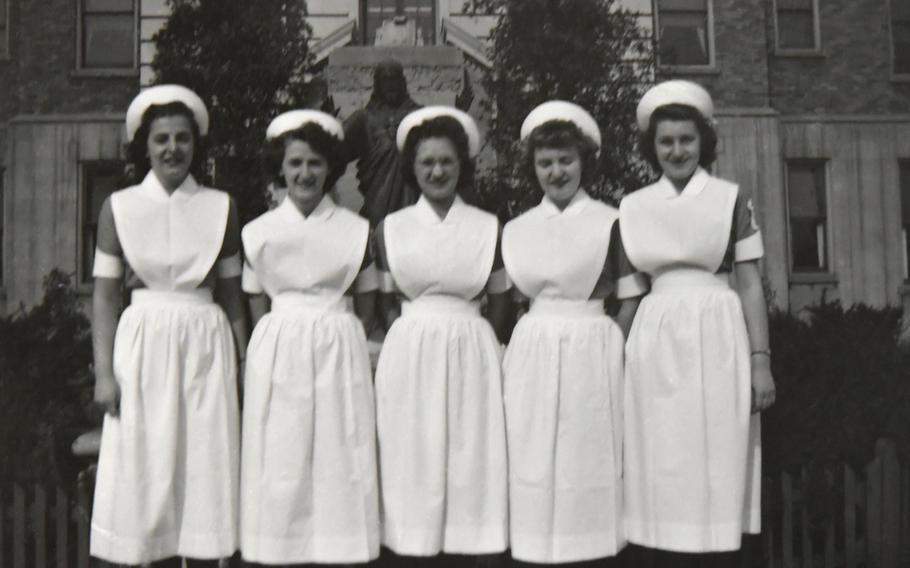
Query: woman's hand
x,y
763,389
107,395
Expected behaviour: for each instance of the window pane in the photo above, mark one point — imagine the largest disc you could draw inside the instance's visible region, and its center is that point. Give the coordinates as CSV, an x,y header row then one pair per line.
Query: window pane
x,y
108,41
900,33
683,39
100,180
808,213
795,30
807,244
683,5
109,6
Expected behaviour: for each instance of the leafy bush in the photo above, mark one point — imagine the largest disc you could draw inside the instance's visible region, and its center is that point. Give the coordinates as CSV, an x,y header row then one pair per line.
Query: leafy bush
x,y
843,381
45,378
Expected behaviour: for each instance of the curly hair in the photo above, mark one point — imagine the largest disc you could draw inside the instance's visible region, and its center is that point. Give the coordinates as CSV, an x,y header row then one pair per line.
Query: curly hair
x,y
679,112
323,143
446,127
137,149
560,134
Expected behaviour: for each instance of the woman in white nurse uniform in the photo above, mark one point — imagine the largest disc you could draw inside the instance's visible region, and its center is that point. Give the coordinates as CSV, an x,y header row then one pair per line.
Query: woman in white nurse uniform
x,y
442,443
698,363
309,481
563,369
166,373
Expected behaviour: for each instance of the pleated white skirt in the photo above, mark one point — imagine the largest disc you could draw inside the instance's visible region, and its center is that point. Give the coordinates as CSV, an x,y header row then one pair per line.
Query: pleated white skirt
x,y
692,466
442,442
563,398
168,469
309,479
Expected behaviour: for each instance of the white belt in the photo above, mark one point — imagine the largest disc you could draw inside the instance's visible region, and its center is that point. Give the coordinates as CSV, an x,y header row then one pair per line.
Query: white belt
x,y
197,296
677,278
310,302
564,307
449,305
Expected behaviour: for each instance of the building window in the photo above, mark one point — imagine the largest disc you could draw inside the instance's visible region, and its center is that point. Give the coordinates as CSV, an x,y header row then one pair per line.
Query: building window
x,y
107,34
900,37
99,180
905,215
684,32
808,211
398,22
797,25
4,29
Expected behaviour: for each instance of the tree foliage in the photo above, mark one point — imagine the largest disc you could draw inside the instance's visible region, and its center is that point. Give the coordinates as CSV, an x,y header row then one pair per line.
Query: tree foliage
x,y
590,52
247,60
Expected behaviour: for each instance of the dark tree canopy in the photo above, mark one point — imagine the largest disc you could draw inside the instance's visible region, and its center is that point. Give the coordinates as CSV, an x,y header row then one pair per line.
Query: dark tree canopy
x,y
247,60
590,52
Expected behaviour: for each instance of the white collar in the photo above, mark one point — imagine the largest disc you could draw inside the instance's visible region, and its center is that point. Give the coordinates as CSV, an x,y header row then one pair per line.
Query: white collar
x,y
427,214
577,204
696,184
289,211
152,186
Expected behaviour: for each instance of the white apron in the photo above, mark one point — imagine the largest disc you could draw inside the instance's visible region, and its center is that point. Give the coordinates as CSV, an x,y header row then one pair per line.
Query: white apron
x,y
167,481
440,420
309,488
562,377
691,467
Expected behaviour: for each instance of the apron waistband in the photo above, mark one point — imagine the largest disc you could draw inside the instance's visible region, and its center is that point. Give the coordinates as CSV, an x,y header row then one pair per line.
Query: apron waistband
x,y
565,307
309,302
678,278
440,305
197,296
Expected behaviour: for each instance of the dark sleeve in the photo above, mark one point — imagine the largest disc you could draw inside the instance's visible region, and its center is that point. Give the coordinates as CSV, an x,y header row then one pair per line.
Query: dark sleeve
x,y
107,239
367,254
497,257
231,244
379,252
355,136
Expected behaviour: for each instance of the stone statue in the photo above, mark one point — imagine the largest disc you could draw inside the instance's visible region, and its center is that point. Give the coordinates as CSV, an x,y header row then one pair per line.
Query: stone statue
x,y
369,136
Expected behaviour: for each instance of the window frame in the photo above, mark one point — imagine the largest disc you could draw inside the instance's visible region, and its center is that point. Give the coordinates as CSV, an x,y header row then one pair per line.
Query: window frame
x,y
83,264
894,75
828,269
711,65
364,32
816,30
81,68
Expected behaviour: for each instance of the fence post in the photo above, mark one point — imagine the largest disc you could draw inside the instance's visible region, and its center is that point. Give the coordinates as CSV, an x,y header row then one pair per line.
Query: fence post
x,y
39,526
830,550
886,451
2,517
849,517
805,537
18,527
874,513
786,484
61,514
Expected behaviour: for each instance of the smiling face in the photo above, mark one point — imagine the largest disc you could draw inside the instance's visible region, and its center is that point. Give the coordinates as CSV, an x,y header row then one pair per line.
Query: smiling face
x,y
170,147
558,172
677,144
436,168
304,172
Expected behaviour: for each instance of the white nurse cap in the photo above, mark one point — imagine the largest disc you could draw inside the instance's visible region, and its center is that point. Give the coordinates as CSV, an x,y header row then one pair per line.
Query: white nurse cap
x,y
294,119
425,114
162,95
562,110
678,92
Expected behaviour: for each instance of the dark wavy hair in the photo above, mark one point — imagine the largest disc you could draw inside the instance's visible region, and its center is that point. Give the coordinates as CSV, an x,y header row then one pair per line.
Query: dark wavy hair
x,y
679,112
440,127
323,143
137,149
560,134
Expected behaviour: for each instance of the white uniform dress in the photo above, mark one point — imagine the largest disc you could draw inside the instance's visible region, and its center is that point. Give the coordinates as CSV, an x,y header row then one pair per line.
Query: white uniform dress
x,y
693,459
442,442
563,383
168,471
309,481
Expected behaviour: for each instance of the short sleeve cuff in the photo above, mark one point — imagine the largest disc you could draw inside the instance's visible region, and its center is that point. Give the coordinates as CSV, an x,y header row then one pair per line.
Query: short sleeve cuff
x,y
367,280
249,281
749,248
230,267
386,282
499,282
631,285
107,265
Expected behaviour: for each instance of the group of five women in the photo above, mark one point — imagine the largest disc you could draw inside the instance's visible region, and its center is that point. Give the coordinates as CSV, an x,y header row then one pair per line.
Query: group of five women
x,y
587,433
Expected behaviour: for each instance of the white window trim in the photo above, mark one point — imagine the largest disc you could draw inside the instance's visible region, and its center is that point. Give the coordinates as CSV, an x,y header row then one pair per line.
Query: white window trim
x,y
90,71
711,66
827,273
816,28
